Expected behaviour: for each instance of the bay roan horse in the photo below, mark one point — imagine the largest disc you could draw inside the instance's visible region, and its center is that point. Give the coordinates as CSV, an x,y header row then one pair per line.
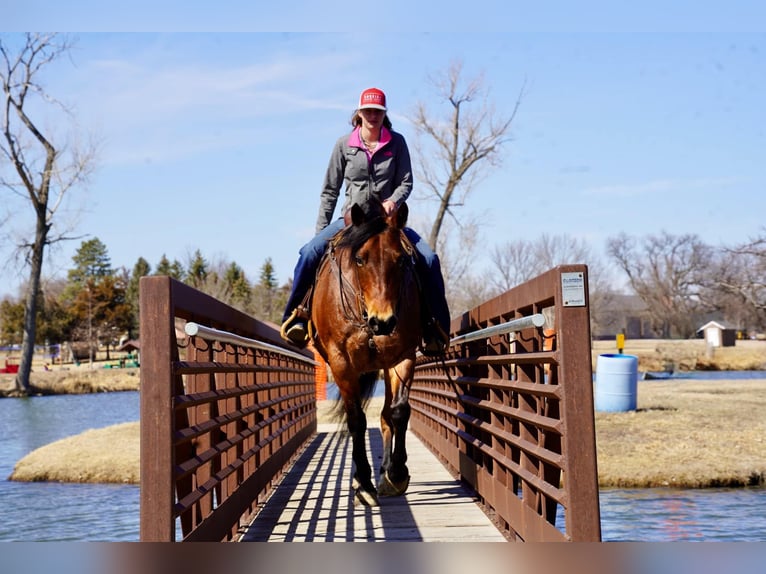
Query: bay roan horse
x,y
366,317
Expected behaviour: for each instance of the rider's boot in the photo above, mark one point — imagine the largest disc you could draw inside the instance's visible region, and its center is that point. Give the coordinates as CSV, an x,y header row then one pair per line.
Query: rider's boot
x,y
295,329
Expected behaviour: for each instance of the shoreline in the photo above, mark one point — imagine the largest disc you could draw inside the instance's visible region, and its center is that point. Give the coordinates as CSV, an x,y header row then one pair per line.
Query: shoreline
x,y
73,381
672,440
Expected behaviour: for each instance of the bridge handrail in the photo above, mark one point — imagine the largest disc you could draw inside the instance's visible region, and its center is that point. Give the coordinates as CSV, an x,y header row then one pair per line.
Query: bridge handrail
x,y
513,416
209,334
225,406
512,326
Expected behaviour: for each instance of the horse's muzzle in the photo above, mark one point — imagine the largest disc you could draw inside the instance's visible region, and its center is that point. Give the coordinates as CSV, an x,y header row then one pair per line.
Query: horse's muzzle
x,y
380,326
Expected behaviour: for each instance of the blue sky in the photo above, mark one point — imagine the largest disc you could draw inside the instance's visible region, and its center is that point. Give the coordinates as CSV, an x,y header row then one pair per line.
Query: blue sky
x,y
219,141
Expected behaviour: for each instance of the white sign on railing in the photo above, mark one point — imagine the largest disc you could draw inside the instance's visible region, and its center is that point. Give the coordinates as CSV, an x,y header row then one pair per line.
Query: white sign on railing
x,y
573,289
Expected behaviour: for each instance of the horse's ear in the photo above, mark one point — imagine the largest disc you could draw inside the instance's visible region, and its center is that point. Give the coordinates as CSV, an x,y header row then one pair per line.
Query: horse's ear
x,y
357,214
401,215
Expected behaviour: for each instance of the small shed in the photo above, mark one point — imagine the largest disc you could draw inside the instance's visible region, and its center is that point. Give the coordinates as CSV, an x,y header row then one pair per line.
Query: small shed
x,y
129,346
718,334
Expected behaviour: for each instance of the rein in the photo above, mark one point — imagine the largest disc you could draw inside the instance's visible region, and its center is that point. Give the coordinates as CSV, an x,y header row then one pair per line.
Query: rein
x,y
348,292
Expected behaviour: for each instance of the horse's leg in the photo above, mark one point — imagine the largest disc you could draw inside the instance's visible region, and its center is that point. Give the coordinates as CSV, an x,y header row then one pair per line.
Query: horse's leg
x,y
394,475
364,490
386,428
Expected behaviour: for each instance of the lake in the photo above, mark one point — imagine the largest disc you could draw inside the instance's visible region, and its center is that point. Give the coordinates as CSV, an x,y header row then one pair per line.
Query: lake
x,y
104,513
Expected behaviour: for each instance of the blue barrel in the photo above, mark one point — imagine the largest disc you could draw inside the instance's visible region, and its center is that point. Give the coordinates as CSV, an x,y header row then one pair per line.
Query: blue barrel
x,y
616,382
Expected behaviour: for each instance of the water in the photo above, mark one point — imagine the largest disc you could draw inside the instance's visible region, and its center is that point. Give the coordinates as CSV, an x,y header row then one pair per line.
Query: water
x,y
63,512
667,515
102,513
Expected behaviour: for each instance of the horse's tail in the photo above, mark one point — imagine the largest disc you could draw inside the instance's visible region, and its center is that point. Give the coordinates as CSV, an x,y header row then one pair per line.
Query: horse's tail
x,y
366,389
367,386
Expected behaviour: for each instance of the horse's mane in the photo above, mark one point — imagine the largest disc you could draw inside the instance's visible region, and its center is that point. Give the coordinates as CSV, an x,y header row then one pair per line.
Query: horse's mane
x,y
354,236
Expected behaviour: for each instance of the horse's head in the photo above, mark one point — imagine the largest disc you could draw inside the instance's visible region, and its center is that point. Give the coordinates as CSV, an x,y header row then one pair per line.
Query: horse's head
x,y
383,261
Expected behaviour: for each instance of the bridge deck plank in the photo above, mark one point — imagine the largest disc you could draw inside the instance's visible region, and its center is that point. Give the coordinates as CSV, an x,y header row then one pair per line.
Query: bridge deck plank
x,y
313,502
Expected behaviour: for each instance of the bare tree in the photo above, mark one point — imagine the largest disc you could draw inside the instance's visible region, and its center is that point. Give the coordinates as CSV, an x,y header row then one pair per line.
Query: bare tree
x,y
742,275
465,287
470,137
668,273
41,168
518,261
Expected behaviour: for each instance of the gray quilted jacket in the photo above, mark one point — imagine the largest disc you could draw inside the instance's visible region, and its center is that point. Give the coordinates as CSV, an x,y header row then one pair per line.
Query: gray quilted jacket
x,y
387,175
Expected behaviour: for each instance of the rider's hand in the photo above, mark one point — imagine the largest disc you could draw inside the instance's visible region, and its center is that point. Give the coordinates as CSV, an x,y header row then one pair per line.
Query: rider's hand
x,y
389,207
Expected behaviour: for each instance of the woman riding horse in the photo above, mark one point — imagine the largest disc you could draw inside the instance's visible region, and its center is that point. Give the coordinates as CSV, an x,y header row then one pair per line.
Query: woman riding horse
x,y
374,163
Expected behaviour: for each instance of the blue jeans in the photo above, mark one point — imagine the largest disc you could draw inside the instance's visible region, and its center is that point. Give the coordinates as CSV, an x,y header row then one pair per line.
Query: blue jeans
x,y
428,269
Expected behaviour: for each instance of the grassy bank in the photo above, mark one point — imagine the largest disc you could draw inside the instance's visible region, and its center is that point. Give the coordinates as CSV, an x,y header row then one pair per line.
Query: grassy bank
x,y
686,434
683,434
688,355
73,381
107,455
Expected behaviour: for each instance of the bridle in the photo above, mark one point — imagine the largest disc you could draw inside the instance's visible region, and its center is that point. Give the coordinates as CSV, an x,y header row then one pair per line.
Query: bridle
x,y
353,304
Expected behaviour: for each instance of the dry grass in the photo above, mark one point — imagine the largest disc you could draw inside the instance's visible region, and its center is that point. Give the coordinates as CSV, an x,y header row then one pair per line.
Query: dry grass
x,y
688,355
686,434
74,381
107,455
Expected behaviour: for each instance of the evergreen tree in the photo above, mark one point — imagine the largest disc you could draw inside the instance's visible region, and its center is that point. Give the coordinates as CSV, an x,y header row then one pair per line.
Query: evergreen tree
x,y
140,269
91,260
198,271
268,279
174,269
268,299
237,285
11,322
54,318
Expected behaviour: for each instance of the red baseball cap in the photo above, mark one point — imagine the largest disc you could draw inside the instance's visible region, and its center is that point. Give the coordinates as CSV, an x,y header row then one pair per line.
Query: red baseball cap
x,y
372,98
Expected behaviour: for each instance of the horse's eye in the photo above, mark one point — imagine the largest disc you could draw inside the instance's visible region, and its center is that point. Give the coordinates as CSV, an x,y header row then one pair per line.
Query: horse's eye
x,y
359,261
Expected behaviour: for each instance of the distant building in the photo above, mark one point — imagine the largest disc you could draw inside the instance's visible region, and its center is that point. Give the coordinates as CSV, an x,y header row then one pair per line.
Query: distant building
x,y
618,313
718,334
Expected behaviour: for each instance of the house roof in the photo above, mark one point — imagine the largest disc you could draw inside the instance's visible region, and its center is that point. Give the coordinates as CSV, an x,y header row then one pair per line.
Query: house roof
x,y
131,345
718,324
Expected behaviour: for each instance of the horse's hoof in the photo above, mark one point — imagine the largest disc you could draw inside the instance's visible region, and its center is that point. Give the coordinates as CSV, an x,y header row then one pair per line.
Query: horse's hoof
x,y
362,496
365,498
387,487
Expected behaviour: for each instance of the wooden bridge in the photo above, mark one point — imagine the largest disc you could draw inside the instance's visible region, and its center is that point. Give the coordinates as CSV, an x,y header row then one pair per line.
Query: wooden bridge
x,y
502,441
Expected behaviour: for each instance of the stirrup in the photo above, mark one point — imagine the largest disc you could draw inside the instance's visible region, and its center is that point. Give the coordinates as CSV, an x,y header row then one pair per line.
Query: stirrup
x,y
295,329
298,335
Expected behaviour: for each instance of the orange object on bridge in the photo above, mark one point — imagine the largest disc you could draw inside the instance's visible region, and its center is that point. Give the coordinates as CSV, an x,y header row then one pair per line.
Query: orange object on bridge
x,y
321,377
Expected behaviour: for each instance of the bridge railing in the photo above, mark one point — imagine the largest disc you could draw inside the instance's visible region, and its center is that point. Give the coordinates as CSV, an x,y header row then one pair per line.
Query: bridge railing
x,y
225,406
511,413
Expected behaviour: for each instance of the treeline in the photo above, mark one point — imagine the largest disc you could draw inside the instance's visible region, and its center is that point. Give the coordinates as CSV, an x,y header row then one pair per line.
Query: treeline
x,y
681,281
99,304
